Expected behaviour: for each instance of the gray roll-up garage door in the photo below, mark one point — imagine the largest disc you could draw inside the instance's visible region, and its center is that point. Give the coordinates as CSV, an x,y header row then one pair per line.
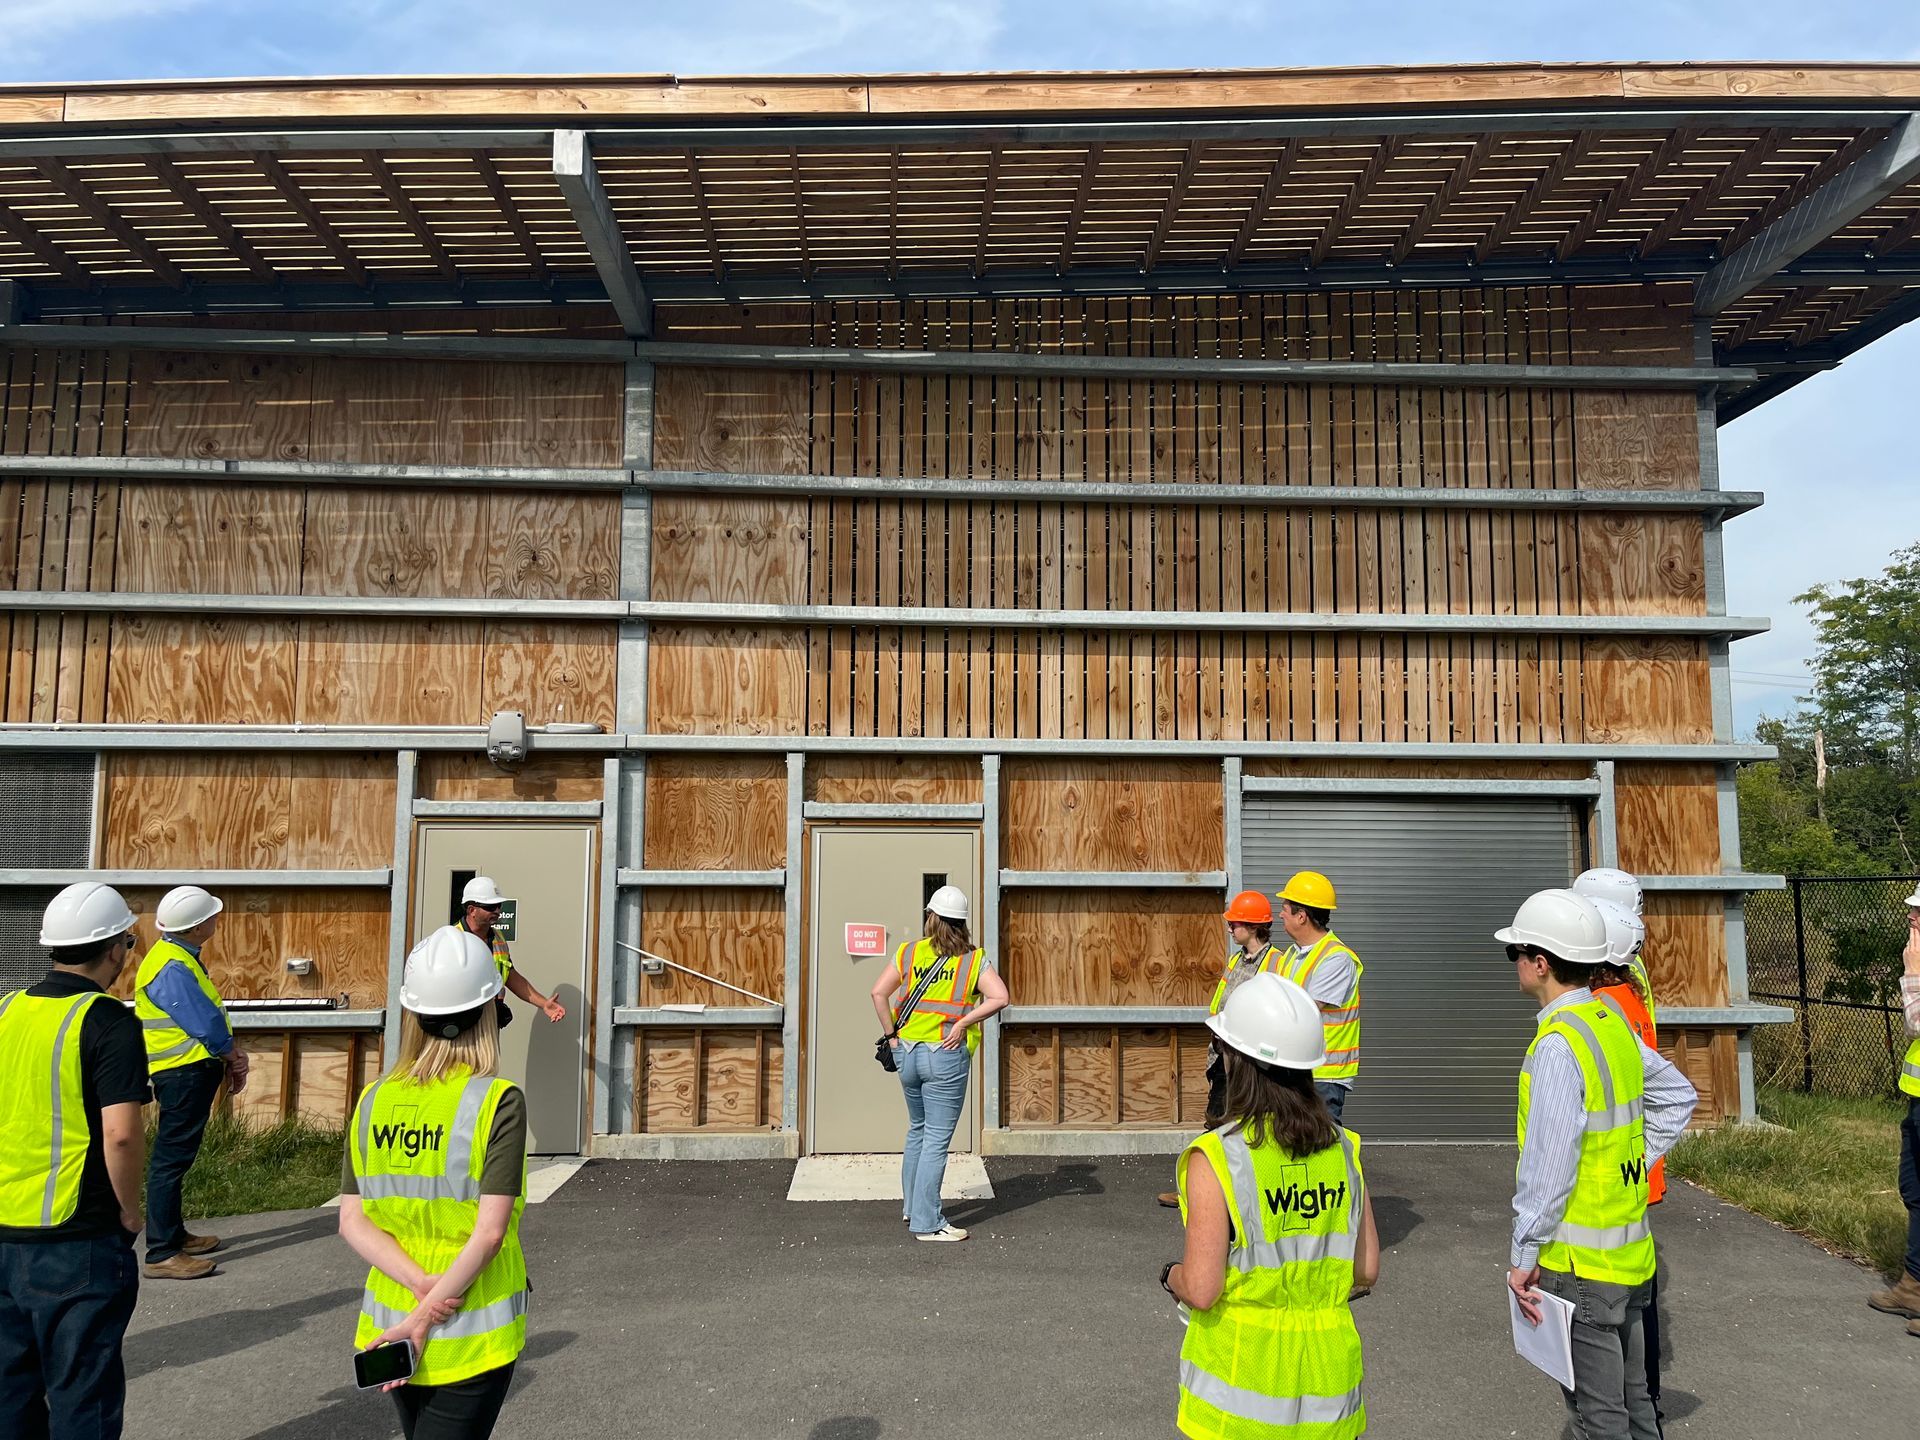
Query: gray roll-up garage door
x,y
1422,887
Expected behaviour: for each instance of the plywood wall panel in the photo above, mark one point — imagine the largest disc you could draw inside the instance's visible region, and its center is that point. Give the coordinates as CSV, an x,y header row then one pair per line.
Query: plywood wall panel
x,y
1637,324
552,547
1148,815
379,672
893,779
716,812
190,810
1636,440
186,670
705,1079
551,672
1668,818
1111,947
1089,1075
1642,564
210,539
402,412
341,811
1650,691
344,933
1149,1084
451,776
396,542
557,415
735,935
1686,950
737,421
744,551
323,1089
666,1092
220,406
726,680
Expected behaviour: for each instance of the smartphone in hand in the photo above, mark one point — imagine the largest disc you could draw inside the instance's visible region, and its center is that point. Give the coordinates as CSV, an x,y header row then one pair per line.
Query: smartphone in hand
x,y
383,1364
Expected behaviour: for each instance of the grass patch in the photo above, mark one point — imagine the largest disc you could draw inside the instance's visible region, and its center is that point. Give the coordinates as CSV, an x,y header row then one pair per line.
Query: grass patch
x,y
243,1170
1832,1172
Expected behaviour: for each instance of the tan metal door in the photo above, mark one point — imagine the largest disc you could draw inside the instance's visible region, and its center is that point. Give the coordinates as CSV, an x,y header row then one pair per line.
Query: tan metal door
x,y
548,870
871,875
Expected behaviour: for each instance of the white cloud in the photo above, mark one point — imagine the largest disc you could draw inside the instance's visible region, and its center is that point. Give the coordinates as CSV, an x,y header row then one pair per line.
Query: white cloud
x,y
34,28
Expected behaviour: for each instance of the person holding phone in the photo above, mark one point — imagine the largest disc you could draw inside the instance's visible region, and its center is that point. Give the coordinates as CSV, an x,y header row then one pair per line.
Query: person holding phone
x,y
432,1191
931,1001
1280,1235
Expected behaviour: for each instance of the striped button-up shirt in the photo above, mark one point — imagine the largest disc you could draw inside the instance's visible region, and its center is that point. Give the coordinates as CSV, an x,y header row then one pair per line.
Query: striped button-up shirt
x,y
1556,1120
1910,1001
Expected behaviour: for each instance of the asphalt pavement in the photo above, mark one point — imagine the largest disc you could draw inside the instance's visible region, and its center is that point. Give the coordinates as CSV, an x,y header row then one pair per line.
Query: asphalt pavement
x,y
692,1299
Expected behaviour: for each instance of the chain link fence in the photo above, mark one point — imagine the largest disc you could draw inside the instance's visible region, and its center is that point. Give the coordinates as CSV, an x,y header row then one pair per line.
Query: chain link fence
x,y
1829,947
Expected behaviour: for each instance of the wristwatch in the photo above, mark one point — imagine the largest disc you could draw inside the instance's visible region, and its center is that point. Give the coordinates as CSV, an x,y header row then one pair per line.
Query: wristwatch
x,y
1165,1271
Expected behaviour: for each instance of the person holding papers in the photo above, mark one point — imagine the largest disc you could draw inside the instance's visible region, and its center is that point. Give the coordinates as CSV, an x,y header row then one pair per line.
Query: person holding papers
x,y
1597,1108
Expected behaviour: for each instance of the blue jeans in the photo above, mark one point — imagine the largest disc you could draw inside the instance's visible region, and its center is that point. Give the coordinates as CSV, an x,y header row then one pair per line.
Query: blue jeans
x,y
1910,1183
935,1084
186,1095
64,1308
1334,1095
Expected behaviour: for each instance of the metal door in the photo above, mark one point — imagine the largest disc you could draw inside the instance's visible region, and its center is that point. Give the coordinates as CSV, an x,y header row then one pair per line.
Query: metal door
x,y
1422,887
871,876
549,871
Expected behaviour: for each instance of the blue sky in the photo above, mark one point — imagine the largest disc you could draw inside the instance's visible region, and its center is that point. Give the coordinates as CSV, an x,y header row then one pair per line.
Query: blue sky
x,y
1840,484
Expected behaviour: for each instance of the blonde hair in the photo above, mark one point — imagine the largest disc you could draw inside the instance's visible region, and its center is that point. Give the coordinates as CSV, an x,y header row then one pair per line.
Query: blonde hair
x,y
949,937
425,1059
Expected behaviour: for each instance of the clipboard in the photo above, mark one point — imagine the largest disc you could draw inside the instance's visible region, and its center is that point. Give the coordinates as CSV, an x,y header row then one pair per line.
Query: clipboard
x,y
1547,1346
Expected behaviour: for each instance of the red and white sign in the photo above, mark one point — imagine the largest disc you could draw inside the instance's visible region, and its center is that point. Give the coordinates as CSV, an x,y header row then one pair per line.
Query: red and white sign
x,y
866,939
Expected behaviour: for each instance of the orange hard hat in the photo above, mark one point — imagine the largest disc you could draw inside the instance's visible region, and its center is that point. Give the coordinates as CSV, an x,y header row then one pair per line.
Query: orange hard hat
x,y
1309,888
1249,907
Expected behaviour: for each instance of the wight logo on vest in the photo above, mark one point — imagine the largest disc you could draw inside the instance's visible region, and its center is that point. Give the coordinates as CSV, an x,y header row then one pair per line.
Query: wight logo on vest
x,y
1299,1204
1634,1171
409,1138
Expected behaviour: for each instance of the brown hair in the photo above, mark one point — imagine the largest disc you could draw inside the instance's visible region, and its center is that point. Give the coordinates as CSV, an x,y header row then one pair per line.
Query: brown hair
x,y
1606,975
949,937
426,1058
1568,973
1280,1105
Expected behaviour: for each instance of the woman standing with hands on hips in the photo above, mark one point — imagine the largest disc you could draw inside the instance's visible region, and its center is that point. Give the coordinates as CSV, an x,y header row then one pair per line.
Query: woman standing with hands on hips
x,y
1279,1235
434,1185
931,1001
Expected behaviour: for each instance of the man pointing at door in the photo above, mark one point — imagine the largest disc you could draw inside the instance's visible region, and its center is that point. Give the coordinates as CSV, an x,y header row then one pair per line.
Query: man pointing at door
x,y
480,905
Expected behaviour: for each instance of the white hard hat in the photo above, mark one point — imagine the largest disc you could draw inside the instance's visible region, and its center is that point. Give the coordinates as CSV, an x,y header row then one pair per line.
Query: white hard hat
x,y
1913,901
481,891
1274,1021
450,971
1606,883
1626,932
184,907
1562,923
950,903
84,913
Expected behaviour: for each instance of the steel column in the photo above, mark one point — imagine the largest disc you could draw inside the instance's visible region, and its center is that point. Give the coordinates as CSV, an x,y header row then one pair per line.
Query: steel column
x,y
1233,798
400,896
796,901
579,182
990,933
608,929
1606,816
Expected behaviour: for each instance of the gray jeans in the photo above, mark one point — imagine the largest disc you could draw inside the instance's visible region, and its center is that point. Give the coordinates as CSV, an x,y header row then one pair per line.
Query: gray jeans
x,y
1609,1398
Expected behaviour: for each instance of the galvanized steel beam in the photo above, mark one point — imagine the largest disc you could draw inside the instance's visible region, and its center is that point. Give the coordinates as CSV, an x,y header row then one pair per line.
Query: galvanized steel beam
x,y
579,181
306,1020
174,471
52,736
507,809
1389,785
1890,166
1105,1014
1232,802
400,897
1113,879
1742,1015
990,1103
607,933
365,606
821,810
1606,815
795,912
1704,884
679,879
641,1016
213,879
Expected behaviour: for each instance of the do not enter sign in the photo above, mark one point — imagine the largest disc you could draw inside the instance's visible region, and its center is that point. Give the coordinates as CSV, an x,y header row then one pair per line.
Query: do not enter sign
x,y
866,939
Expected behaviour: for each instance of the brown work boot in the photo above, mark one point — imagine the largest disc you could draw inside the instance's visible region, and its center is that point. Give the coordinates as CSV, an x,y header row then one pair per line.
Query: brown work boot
x,y
1170,1199
1901,1298
179,1267
200,1245
1913,1327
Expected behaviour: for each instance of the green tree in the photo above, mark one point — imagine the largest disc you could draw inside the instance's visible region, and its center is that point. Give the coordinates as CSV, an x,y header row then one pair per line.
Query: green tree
x,y
1866,665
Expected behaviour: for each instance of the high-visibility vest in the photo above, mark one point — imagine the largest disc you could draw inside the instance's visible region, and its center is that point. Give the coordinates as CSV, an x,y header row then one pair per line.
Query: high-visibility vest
x,y
1277,1355
168,1046
947,999
1637,1012
43,1116
1266,959
1638,965
1910,1070
1603,1235
1342,1024
502,958
418,1151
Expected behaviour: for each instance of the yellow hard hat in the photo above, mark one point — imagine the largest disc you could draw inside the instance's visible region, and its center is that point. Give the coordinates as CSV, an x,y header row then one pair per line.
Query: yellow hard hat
x,y
1311,889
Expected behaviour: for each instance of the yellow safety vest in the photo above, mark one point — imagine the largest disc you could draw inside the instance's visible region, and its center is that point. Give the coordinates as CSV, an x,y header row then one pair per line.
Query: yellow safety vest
x,y
1604,1233
43,1116
1638,965
1341,1026
418,1151
1266,960
168,1046
1277,1356
947,999
1910,1070
502,959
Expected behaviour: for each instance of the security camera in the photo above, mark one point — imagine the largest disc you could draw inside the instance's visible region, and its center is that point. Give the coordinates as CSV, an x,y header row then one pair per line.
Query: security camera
x,y
507,737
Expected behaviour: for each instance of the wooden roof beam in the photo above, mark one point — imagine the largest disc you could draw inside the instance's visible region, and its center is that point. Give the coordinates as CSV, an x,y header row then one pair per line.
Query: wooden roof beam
x,y
1768,316
1549,180
1082,193
288,189
1430,214
579,182
1263,203
29,238
696,182
75,191
1356,196
1742,165
1169,213
986,211
1656,164
411,217
1902,233
183,189
510,212
1890,165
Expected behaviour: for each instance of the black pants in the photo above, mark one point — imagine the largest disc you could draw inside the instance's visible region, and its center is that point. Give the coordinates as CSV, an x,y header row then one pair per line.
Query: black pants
x,y
64,1308
1651,1324
1335,1096
1910,1183
186,1097
465,1410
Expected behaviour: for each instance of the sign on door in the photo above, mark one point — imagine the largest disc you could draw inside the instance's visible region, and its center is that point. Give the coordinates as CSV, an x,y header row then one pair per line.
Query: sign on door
x,y
866,939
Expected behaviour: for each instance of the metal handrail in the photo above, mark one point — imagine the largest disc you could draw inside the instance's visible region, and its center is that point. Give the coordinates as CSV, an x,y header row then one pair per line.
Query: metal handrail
x,y
646,955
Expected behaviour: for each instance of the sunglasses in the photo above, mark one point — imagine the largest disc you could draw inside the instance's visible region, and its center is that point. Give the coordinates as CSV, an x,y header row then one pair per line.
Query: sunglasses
x,y
1523,952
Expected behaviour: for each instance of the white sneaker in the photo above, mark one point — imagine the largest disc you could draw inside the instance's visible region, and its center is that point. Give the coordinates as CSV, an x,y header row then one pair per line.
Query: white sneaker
x,y
947,1234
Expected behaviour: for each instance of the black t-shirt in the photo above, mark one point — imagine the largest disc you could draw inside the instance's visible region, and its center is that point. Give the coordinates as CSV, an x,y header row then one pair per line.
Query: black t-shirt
x,y
113,1071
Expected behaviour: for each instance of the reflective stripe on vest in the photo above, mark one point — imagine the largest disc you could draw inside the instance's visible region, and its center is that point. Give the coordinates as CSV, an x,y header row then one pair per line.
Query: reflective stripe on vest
x,y
43,1119
1277,1354
1268,958
418,1155
1910,1070
168,1046
1603,1233
1341,1027
945,1000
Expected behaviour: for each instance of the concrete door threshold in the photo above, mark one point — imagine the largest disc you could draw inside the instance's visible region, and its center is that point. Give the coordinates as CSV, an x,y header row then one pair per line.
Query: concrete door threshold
x,y
877,1177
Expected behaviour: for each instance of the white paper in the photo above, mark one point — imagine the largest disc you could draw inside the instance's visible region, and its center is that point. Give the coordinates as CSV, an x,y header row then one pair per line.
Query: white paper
x,y
1548,1345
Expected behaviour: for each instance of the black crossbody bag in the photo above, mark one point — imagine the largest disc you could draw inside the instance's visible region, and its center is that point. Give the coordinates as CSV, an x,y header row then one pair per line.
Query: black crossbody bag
x,y
883,1047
